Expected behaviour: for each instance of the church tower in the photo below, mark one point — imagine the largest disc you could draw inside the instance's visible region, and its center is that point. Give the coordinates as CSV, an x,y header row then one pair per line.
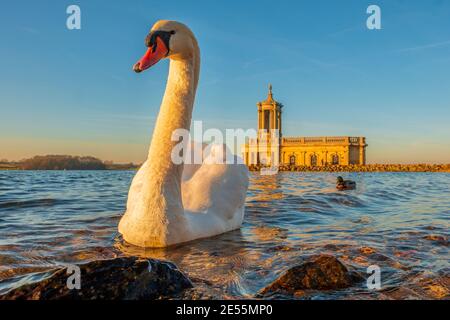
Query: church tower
x,y
269,130
269,114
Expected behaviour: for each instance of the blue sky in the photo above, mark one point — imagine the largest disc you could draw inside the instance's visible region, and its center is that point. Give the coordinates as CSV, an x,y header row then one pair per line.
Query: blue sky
x,y
73,92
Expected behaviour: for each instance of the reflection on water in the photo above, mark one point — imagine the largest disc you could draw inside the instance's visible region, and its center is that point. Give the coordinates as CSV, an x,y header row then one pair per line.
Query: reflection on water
x,y
399,221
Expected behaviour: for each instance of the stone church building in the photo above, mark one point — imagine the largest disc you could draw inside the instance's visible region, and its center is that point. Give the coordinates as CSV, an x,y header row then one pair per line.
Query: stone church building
x,y
271,147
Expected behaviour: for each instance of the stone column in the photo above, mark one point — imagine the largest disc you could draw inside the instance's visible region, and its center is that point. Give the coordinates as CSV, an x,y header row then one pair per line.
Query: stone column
x,y
260,118
273,124
362,151
346,156
279,122
361,155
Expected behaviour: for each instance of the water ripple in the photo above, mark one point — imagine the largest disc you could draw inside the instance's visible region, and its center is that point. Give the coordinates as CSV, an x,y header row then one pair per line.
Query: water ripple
x,y
399,221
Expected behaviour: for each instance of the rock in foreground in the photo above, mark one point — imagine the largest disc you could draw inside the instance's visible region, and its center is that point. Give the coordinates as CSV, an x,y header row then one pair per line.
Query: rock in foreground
x,y
317,273
120,278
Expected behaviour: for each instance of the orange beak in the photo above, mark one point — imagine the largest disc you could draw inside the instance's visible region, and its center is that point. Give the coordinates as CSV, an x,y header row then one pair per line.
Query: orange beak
x,y
152,56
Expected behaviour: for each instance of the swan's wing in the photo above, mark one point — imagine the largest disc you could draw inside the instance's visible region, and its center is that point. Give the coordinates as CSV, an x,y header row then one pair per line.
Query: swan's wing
x,y
215,188
196,152
193,159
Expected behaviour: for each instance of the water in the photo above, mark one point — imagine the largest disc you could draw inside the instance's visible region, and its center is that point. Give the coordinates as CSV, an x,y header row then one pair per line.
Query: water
x,y
53,217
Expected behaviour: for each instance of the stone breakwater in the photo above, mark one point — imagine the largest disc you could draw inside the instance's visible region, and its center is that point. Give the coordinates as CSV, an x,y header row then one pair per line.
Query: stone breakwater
x,y
364,168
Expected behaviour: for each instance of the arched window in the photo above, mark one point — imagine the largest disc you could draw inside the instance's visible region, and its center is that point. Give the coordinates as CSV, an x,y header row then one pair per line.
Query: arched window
x,y
313,160
292,160
335,159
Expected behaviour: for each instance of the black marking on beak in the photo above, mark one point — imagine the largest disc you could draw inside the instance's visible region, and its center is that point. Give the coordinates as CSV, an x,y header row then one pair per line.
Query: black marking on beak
x,y
150,40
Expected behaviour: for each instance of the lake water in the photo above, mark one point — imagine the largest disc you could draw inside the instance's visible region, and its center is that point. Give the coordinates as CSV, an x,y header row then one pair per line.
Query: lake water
x,y
398,221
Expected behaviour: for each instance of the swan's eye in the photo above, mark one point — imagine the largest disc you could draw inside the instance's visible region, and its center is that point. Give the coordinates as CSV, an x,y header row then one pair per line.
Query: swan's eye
x,y
150,40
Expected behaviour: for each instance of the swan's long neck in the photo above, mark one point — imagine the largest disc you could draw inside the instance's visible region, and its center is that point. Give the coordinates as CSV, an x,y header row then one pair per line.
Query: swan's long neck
x,y
175,113
162,187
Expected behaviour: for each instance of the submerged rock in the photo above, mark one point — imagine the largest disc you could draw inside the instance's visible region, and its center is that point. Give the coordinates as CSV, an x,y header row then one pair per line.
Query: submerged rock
x,y
367,250
120,278
437,239
317,273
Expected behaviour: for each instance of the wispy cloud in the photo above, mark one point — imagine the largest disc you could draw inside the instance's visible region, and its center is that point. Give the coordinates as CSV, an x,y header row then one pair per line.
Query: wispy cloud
x,y
345,31
426,46
248,64
30,30
123,117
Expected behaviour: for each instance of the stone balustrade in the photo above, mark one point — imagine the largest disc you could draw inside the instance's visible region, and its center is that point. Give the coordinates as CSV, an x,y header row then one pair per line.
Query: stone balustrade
x,y
323,140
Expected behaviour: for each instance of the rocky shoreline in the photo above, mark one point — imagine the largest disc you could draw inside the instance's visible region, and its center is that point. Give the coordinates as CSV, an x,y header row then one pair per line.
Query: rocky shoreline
x,y
363,168
130,278
137,279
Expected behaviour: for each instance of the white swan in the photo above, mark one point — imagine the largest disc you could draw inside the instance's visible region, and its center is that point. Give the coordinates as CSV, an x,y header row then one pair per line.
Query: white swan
x,y
165,205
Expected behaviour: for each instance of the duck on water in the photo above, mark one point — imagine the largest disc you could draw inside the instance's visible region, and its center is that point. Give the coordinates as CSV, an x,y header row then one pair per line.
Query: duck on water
x,y
342,184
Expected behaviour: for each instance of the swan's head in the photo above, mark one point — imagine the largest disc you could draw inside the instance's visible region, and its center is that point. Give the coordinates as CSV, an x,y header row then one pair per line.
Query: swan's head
x,y
167,39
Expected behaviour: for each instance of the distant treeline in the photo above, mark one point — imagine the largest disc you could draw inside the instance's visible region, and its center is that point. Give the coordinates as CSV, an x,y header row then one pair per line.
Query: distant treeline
x,y
64,162
55,162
